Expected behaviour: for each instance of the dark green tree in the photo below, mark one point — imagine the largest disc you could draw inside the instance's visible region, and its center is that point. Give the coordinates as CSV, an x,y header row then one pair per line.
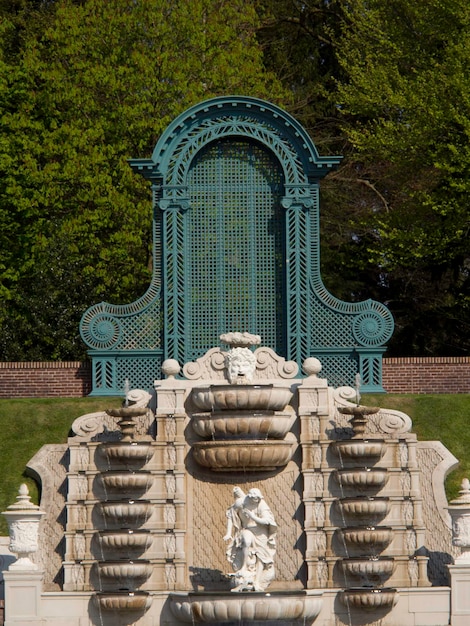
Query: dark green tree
x,y
404,96
83,88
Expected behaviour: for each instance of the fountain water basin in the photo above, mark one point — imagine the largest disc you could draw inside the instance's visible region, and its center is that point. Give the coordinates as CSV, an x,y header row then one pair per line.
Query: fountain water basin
x,y
126,483
362,480
246,454
123,543
124,574
244,397
369,571
365,599
223,608
234,424
366,451
126,513
368,540
132,455
363,510
123,601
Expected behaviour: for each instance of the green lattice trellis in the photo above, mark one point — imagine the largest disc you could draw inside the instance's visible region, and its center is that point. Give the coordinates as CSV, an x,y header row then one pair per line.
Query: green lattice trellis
x,y
236,241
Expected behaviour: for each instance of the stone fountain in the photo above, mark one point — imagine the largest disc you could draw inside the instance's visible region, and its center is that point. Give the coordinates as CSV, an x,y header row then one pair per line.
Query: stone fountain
x,y
237,493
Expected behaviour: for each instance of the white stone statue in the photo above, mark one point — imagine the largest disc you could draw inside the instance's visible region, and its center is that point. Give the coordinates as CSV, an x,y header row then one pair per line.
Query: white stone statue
x,y
251,531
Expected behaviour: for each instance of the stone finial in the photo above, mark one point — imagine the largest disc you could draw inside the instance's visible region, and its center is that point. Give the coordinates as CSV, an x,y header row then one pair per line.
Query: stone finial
x,y
240,340
464,497
311,366
171,368
23,519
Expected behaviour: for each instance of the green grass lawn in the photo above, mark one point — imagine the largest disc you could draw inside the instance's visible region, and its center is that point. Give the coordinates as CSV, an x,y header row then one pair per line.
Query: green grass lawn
x,y
439,417
27,424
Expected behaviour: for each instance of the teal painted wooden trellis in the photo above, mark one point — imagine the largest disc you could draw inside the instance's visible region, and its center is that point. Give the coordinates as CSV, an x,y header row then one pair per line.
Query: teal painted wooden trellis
x,y
235,184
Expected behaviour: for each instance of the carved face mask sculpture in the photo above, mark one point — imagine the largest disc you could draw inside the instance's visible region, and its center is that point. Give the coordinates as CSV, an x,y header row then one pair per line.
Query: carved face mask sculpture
x,y
241,365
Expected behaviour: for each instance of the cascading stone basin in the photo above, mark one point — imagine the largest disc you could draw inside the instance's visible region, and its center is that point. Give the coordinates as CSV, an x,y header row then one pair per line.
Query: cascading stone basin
x,y
124,601
126,513
359,450
363,510
368,599
362,480
125,575
125,483
117,544
370,571
365,540
234,424
241,397
132,455
223,608
241,455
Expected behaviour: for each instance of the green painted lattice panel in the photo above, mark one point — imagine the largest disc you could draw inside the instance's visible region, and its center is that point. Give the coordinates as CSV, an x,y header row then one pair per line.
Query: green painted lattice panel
x,y
235,246
235,185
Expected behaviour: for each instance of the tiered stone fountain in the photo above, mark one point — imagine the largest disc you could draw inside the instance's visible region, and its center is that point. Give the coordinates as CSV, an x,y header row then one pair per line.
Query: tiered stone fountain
x,y
244,495
362,539
120,542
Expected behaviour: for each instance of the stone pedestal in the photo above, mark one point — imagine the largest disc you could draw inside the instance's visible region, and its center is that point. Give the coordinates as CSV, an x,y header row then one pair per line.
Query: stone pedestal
x,y
460,594
23,597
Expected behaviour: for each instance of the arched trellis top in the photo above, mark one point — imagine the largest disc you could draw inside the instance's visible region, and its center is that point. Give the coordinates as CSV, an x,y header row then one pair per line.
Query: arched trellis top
x,y
240,116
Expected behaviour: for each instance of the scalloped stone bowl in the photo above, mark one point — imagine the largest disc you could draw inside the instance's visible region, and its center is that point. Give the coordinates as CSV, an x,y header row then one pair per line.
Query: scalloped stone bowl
x,y
357,450
370,571
124,601
125,574
241,397
126,482
245,608
130,543
132,455
362,479
371,539
126,513
369,599
232,424
363,510
241,455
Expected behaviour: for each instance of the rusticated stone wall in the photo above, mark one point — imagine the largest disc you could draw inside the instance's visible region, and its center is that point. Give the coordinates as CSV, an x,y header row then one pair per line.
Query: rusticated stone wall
x,y
72,379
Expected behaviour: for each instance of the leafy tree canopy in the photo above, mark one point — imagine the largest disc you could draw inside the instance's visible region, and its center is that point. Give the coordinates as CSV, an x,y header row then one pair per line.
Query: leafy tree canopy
x,y
84,86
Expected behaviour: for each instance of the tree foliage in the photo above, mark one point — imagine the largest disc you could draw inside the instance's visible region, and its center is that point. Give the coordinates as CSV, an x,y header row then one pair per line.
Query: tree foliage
x,y
386,85
87,84
84,87
405,98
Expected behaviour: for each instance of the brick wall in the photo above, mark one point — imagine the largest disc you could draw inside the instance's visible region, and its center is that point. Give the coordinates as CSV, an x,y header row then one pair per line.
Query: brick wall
x,y
426,375
45,379
73,379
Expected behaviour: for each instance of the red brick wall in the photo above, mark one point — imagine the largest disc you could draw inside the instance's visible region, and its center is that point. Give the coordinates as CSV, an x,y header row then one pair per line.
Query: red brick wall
x,y
426,375
45,380
73,379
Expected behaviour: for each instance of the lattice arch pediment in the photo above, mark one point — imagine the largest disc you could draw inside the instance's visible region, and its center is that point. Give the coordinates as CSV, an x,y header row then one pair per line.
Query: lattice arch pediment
x,y
242,117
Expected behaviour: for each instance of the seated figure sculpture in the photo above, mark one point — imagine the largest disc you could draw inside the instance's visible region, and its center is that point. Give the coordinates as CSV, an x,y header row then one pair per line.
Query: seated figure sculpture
x,y
251,530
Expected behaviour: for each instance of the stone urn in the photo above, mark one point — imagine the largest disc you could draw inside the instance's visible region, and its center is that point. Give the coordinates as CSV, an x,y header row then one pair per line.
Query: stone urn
x,y
23,519
459,510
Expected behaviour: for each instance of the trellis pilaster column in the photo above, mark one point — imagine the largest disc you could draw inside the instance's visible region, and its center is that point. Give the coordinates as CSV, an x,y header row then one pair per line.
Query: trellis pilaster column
x,y
300,203
175,236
